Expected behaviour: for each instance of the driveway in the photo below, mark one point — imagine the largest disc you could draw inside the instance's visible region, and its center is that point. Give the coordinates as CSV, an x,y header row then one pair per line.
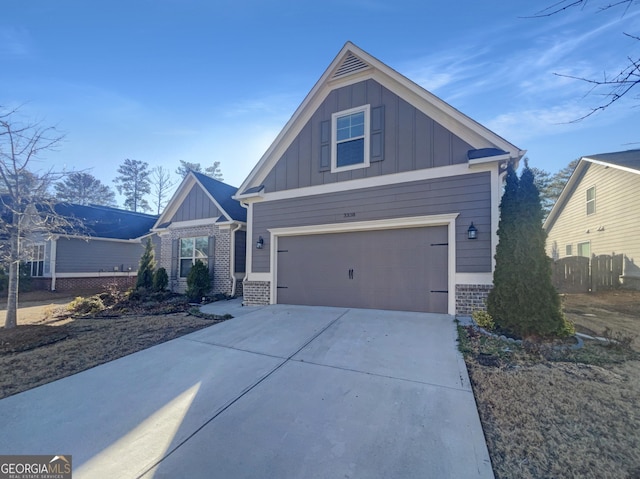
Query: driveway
x,y
281,391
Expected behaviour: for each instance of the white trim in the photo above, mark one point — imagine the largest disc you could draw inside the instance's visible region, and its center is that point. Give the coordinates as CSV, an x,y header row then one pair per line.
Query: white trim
x,y
52,262
99,238
474,278
467,129
366,109
612,165
258,277
382,180
490,159
496,195
448,220
98,274
192,223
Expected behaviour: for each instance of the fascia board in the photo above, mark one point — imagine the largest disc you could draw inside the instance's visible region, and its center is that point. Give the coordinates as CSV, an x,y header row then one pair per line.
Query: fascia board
x,y
469,130
218,205
612,165
176,200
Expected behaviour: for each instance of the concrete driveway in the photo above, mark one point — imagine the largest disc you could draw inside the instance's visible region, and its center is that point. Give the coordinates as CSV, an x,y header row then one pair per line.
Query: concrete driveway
x,y
283,391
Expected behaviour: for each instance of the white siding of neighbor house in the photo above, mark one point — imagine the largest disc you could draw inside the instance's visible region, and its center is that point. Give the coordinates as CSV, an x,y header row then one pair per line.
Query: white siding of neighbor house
x,y
615,225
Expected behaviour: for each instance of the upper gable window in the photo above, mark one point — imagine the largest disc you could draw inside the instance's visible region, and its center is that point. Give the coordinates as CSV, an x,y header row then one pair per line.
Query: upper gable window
x,y
350,134
591,200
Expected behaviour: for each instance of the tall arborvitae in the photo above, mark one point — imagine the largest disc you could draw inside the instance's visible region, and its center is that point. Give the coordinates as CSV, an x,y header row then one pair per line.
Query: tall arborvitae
x,y
541,311
501,303
523,301
147,265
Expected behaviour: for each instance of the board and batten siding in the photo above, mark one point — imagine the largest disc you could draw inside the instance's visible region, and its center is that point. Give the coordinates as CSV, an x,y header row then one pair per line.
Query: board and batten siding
x,y
411,141
616,215
79,256
197,205
469,195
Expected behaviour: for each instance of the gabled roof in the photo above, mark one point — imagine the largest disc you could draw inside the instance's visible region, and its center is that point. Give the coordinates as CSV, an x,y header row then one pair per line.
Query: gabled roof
x,y
353,64
221,194
628,161
106,222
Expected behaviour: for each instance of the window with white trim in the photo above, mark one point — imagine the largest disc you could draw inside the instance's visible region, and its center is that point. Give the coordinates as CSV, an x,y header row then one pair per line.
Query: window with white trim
x,y
591,200
35,264
192,250
350,139
584,249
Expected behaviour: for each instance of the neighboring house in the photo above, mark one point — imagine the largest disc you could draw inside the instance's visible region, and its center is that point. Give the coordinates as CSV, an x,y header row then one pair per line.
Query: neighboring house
x,y
369,196
597,212
104,249
203,222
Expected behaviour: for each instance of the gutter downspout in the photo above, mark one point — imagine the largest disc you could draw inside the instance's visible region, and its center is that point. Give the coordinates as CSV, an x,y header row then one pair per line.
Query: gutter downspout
x,y
232,263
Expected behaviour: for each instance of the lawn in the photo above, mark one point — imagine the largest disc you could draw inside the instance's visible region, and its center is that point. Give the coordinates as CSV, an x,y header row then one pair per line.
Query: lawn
x,y
49,344
554,413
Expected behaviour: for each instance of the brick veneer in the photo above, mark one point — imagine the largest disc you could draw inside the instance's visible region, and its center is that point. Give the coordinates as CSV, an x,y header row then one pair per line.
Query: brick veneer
x,y
121,283
221,279
471,297
256,293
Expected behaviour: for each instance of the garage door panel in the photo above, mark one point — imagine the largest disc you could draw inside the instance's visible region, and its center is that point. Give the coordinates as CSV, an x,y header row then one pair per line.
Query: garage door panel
x,y
399,269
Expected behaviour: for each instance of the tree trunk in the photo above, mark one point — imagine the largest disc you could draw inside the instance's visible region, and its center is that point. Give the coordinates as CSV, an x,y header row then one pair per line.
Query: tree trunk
x,y
11,320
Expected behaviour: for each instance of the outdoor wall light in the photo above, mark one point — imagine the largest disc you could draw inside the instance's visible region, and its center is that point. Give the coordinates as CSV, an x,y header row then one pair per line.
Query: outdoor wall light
x,y
472,232
259,243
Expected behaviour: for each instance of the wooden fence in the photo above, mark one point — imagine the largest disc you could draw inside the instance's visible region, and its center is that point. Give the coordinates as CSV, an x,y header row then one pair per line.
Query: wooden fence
x,y
577,274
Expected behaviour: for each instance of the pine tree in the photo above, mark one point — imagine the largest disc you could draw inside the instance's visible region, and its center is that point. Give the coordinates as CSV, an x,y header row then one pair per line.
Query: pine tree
x,y
83,189
133,183
147,265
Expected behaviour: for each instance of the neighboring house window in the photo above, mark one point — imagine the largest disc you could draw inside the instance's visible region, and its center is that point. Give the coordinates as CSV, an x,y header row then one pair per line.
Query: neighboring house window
x,y
35,265
191,250
569,250
584,249
591,200
350,133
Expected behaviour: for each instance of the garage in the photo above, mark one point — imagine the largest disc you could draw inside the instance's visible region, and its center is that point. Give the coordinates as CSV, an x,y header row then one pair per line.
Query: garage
x,y
403,269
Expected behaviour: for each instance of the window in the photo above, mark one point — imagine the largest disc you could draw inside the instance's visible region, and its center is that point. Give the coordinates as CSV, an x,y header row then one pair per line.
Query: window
x,y
350,133
569,250
35,265
192,250
591,200
584,249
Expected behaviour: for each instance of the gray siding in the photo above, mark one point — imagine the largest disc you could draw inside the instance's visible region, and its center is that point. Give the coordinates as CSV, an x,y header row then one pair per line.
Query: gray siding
x,y
197,205
411,141
240,253
469,195
79,256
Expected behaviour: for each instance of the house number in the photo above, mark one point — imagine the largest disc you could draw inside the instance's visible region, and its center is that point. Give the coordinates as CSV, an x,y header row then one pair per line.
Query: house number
x,y
349,215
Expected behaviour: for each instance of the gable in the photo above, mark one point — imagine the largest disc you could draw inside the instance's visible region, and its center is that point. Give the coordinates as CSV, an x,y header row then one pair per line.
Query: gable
x,y
195,206
353,78
410,140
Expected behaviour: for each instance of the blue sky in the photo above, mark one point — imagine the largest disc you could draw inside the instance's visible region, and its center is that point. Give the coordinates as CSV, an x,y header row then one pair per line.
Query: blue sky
x,y
203,81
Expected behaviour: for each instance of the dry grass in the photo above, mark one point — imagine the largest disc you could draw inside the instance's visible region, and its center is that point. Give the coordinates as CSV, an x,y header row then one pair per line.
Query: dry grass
x,y
573,417
48,345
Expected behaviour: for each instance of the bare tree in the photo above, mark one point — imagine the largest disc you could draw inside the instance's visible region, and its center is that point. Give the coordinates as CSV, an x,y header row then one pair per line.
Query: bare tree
x,y
611,86
26,207
162,183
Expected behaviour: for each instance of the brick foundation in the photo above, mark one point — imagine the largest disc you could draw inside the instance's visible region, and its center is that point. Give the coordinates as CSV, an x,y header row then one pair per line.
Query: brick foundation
x,y
256,293
471,297
121,283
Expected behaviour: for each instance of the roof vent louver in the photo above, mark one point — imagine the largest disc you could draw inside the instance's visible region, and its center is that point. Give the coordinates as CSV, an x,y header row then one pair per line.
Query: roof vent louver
x,y
350,64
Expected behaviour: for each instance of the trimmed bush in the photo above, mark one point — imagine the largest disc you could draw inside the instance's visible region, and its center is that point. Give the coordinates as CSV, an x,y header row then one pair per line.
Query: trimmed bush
x,y
160,279
483,319
198,281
